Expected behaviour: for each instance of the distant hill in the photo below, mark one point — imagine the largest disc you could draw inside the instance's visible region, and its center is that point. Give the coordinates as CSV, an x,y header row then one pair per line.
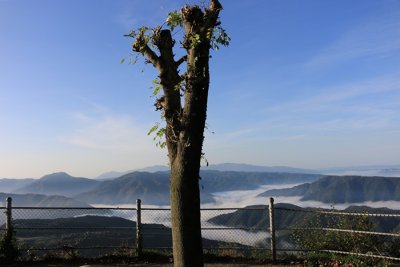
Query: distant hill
x,y
95,231
114,174
59,183
111,175
257,217
344,189
241,167
235,167
153,188
372,170
155,168
36,200
10,185
219,181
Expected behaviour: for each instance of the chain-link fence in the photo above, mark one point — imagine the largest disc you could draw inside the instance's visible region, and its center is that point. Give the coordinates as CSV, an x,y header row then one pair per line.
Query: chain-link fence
x,y
67,232
234,232
274,231
359,232
2,220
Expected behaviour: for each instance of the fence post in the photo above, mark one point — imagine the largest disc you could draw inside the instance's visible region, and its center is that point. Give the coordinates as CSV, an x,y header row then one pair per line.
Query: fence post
x,y
139,227
9,216
272,228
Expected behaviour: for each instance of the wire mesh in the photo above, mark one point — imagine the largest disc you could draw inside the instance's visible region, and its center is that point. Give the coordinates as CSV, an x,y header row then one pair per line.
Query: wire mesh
x,y
156,229
235,232
2,220
245,232
312,231
69,230
236,227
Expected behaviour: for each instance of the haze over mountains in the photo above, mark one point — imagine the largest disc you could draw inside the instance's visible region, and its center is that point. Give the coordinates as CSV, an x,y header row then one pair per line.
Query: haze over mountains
x,y
37,200
375,170
219,189
59,183
344,189
255,217
10,185
152,186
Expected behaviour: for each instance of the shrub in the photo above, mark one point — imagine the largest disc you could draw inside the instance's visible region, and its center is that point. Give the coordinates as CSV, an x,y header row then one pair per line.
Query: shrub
x,y
8,247
314,242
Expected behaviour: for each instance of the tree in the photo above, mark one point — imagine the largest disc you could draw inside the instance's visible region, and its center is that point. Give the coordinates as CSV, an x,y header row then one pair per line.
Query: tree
x,y
184,106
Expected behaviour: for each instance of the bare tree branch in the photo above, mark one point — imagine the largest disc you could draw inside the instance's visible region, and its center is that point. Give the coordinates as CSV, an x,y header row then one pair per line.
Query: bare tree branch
x,y
181,60
211,15
151,56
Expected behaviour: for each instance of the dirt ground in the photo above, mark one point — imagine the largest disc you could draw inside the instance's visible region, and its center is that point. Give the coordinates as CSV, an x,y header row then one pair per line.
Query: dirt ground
x,y
170,265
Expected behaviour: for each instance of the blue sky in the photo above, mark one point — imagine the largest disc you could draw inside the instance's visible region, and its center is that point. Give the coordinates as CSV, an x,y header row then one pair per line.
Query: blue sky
x,y
310,84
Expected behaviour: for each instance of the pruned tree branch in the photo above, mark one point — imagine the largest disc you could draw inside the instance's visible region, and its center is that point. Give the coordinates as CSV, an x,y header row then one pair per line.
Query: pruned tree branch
x,y
151,56
211,15
181,60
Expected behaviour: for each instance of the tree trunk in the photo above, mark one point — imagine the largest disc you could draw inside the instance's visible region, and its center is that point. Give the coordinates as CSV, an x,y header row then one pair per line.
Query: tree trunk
x,y
185,167
185,213
184,131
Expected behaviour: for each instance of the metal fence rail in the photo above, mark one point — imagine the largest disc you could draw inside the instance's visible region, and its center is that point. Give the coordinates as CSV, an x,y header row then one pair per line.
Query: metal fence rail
x,y
272,230
361,234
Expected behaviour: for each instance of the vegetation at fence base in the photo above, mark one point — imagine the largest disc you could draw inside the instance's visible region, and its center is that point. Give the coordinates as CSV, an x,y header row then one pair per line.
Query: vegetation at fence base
x,y
9,251
123,256
315,242
393,246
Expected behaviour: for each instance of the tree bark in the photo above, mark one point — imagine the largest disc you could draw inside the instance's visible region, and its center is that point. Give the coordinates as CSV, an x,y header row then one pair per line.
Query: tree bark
x,y
185,123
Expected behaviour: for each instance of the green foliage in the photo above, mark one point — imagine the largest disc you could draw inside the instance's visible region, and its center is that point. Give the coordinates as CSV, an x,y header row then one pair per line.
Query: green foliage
x,y
318,240
194,40
145,37
159,135
131,59
156,86
219,37
174,20
156,130
8,247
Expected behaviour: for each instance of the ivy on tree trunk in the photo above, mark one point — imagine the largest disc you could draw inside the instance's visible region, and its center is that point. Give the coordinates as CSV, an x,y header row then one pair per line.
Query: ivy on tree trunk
x,y
184,107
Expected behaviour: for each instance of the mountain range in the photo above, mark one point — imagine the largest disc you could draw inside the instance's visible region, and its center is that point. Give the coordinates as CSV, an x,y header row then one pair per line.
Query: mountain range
x,y
256,217
344,189
10,185
236,167
37,200
59,183
369,170
153,187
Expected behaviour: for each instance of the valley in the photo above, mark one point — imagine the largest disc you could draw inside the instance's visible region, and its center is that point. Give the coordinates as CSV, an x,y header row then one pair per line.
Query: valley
x,y
227,185
83,212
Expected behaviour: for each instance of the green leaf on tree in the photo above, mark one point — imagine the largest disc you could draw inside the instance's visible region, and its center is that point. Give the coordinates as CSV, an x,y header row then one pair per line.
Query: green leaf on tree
x,y
174,19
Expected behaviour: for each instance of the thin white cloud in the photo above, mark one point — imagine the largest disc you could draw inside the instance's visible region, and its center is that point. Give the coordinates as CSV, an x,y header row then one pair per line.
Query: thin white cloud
x,y
108,132
342,92
127,19
241,133
134,14
379,38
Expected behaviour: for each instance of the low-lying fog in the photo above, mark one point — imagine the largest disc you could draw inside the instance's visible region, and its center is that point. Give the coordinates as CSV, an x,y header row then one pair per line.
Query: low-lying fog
x,y
230,199
242,198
